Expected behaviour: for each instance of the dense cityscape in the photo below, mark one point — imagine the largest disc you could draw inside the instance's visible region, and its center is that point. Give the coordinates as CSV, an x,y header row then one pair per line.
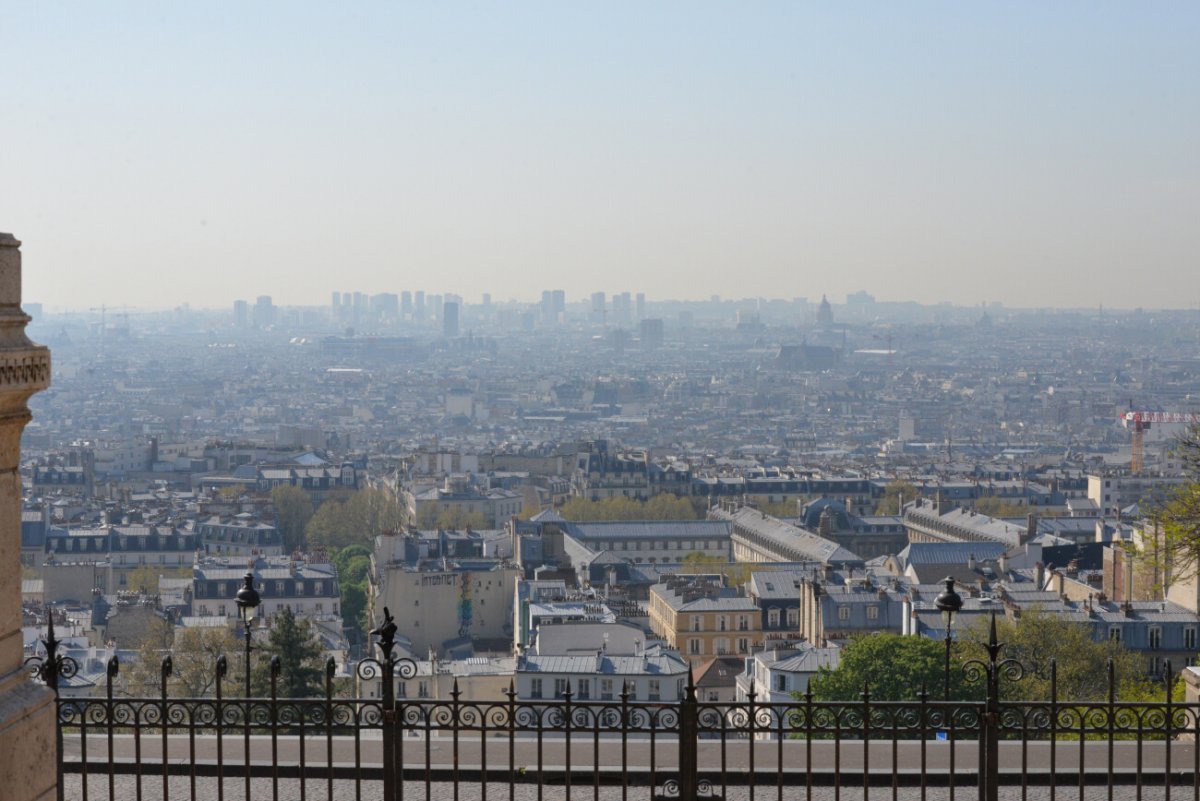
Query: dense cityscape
x,y
603,494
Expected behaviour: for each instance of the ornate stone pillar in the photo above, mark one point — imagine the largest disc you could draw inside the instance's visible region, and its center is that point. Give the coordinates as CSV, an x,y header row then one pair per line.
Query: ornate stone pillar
x,y
27,714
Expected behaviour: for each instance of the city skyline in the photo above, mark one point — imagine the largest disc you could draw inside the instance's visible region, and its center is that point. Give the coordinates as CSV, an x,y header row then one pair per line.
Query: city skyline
x,y
1035,156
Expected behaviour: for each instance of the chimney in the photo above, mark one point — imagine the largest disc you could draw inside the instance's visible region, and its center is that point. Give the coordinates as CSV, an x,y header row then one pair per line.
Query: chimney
x,y
1031,524
1040,575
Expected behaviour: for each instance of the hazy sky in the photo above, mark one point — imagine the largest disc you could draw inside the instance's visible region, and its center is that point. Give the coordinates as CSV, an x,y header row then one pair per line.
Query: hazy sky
x,y
1032,153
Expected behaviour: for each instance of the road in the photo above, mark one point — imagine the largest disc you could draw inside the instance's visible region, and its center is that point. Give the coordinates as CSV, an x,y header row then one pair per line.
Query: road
x,y
907,760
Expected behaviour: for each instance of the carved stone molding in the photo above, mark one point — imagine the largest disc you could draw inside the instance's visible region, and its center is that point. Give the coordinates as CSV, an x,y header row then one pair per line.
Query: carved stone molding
x,y
25,370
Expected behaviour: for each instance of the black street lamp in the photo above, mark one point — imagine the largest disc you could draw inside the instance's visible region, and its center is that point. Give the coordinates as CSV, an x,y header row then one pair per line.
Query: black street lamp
x,y
247,601
948,602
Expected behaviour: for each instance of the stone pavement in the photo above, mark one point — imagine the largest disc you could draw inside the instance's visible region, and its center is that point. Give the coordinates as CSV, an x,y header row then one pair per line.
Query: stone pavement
x,y
179,789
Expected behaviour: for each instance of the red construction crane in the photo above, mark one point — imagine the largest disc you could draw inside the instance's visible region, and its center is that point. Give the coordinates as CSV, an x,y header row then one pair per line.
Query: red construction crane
x,y
1138,422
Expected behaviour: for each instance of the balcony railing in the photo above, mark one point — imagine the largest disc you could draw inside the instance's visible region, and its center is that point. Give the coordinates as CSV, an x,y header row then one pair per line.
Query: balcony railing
x,y
341,748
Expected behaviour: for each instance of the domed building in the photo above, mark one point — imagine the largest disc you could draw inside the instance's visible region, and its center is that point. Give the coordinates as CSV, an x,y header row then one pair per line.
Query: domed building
x,y
825,516
825,313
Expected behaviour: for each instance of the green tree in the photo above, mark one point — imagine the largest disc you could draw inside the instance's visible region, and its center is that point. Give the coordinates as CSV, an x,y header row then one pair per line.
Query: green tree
x,y
301,673
354,567
736,573
781,509
142,676
454,517
353,563
1036,638
355,521
293,510
373,511
998,507
194,652
1171,541
895,493
664,506
146,577
328,527
894,667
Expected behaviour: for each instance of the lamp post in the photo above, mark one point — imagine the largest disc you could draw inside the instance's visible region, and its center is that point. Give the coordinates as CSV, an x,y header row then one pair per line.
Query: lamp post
x,y
247,601
948,603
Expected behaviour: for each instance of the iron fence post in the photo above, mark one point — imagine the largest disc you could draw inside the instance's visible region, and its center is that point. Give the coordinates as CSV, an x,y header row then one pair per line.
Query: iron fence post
x,y
49,672
165,670
689,738
989,739
387,643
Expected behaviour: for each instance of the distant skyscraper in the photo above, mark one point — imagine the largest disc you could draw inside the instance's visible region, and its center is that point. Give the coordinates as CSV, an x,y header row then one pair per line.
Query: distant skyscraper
x,y
641,305
335,303
652,334
622,308
241,313
406,307
598,307
264,311
450,320
419,305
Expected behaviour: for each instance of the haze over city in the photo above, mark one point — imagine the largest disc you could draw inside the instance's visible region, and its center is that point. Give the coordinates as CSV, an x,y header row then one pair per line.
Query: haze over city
x,y
1032,155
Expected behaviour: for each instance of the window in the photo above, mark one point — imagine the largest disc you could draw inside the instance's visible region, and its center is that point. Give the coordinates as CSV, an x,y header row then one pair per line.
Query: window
x,y
318,587
694,646
402,689
1114,633
655,693
773,617
1189,639
585,689
721,623
722,645
299,587
743,645
422,689
279,588
606,689
697,622
1155,637
535,688
781,683
872,613
793,617
560,687
743,623
843,613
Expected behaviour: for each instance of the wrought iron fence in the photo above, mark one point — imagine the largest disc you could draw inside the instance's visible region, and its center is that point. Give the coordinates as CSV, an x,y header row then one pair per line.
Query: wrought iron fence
x,y
330,747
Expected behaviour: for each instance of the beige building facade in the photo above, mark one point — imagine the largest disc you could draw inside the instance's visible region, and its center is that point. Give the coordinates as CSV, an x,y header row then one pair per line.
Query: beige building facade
x,y
702,619
27,713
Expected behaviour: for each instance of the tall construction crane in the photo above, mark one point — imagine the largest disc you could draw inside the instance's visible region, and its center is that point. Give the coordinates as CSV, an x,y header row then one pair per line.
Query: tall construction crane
x,y
1139,422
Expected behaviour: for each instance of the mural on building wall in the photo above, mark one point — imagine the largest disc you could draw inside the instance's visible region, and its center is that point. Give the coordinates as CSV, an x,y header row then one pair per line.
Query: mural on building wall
x,y
465,607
